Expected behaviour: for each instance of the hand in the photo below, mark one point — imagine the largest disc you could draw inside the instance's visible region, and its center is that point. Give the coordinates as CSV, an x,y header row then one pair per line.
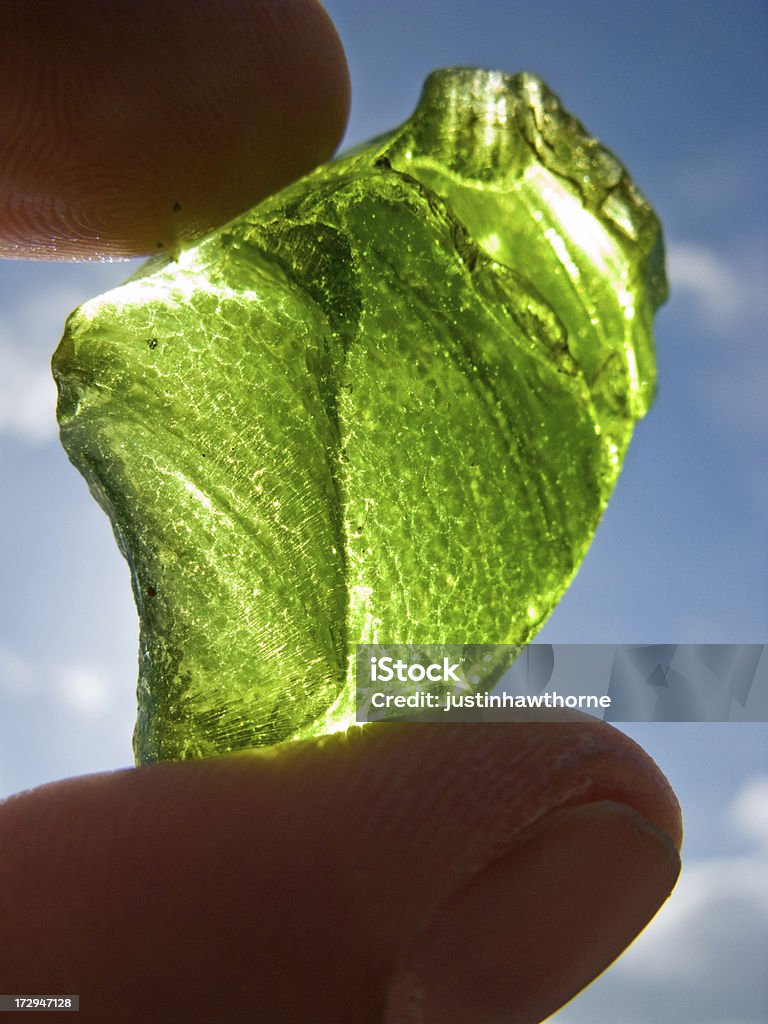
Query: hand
x,y
396,873
445,873
127,128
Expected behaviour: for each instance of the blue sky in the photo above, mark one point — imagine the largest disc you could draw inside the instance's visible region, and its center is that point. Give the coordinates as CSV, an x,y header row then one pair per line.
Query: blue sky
x,y
678,91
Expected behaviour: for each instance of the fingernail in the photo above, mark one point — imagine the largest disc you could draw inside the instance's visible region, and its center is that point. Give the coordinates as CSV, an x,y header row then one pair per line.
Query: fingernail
x,y
537,925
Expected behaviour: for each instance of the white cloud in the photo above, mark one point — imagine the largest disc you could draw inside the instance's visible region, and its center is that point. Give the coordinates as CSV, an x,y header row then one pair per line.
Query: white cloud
x,y
725,289
30,329
725,296
702,960
84,690
703,274
750,810
61,717
27,395
29,332
706,918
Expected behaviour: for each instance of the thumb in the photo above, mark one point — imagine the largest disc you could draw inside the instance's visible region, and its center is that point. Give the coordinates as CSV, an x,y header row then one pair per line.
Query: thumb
x,y
406,874
129,128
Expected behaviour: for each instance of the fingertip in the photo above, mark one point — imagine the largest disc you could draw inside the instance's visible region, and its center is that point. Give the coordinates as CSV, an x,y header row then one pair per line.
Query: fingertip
x,y
527,933
311,868
130,135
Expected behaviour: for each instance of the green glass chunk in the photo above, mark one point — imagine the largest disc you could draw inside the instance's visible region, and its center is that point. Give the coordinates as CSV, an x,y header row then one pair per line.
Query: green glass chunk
x,y
387,405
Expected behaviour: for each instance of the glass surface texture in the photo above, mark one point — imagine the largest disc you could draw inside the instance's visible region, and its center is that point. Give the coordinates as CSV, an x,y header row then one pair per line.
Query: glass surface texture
x,y
387,405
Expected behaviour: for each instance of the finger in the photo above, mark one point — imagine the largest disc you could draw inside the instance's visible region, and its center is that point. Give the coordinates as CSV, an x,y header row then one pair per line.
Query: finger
x,y
406,874
128,129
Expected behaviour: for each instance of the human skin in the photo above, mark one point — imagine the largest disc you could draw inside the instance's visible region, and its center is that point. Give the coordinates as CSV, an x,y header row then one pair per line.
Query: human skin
x,y
131,128
450,873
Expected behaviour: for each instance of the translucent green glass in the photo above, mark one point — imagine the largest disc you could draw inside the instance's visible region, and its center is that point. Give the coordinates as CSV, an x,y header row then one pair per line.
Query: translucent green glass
x,y
388,404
